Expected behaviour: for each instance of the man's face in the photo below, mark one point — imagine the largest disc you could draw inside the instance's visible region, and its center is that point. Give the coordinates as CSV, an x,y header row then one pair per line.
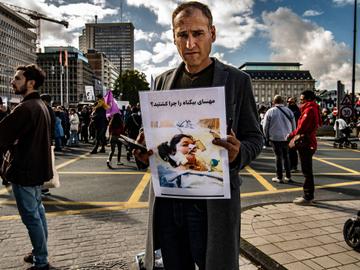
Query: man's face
x,y
193,38
19,83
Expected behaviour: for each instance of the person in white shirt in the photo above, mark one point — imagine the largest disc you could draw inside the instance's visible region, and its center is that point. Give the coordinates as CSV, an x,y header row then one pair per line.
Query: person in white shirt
x,y
279,122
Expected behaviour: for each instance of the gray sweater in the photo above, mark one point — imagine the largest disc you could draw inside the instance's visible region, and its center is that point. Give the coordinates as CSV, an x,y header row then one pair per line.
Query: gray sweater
x,y
276,125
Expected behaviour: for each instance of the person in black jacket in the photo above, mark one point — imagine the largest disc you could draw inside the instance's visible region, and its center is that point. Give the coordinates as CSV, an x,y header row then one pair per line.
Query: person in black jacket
x,y
293,156
26,134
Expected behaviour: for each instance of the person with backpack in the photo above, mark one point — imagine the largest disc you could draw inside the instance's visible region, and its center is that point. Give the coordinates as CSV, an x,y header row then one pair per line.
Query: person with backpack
x,y
279,122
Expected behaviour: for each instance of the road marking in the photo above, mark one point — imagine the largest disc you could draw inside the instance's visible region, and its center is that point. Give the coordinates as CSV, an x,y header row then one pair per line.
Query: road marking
x,y
126,205
335,165
5,190
333,158
136,195
260,193
122,206
300,174
261,179
73,172
66,163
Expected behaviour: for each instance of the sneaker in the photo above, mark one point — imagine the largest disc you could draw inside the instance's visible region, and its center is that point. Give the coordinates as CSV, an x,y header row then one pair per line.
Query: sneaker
x,y
302,201
294,170
108,163
277,180
93,152
120,163
46,267
288,180
29,258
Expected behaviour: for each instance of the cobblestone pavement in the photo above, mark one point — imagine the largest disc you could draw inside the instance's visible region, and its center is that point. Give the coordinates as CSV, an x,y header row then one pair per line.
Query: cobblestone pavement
x,y
287,236
100,240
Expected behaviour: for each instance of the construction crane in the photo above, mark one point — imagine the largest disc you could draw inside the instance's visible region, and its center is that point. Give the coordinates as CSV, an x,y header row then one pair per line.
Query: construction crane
x,y
36,16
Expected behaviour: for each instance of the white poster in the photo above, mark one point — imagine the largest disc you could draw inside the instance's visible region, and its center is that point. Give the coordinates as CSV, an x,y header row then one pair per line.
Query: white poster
x,y
89,91
179,127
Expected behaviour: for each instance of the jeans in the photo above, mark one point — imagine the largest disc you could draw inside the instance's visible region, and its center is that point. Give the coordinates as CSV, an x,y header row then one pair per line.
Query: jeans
x,y
73,140
32,212
181,229
281,150
306,155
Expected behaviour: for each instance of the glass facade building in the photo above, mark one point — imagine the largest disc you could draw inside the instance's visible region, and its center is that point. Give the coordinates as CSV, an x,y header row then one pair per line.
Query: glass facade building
x,y
17,47
115,40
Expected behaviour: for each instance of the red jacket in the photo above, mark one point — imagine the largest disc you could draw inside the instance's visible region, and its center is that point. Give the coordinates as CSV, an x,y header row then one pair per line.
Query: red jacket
x,y
308,122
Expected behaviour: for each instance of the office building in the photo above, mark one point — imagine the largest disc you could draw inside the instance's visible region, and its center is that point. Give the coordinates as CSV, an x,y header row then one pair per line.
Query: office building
x,y
115,40
103,68
17,47
66,78
276,78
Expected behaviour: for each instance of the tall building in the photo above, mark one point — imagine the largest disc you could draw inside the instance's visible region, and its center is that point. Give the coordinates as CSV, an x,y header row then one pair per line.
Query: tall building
x,y
17,47
116,40
275,78
66,78
103,68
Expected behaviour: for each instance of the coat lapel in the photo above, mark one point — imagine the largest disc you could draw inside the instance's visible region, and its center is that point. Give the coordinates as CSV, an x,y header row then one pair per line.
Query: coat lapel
x,y
169,84
220,74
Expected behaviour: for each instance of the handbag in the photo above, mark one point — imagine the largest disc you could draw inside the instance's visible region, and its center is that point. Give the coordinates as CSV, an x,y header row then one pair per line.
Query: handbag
x,y
298,141
55,181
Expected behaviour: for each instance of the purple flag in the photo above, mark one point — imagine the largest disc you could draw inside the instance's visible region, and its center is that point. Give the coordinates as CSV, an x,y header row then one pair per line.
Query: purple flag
x,y
112,103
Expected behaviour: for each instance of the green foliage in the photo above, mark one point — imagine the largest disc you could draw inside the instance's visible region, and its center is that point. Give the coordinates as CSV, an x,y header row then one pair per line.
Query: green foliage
x,y
129,85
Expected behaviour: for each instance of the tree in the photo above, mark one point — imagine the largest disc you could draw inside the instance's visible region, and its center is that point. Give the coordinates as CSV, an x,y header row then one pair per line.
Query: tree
x,y
129,84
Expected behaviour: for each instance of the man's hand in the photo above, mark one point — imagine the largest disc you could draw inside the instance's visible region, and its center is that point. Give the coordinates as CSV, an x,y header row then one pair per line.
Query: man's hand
x,y
139,154
232,144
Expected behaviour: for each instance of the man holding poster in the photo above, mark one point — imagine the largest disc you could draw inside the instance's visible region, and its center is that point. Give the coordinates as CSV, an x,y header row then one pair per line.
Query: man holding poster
x,y
199,231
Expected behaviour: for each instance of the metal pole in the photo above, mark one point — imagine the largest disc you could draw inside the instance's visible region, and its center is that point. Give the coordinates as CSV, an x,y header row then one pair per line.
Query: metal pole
x,y
67,85
61,87
354,58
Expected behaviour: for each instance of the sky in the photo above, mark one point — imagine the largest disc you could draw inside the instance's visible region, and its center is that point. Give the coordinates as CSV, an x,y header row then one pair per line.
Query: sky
x,y
316,33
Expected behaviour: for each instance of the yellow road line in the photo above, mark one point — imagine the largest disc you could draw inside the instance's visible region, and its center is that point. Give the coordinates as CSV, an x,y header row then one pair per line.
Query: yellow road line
x,y
126,205
66,163
123,206
260,193
315,174
261,179
56,202
135,197
5,190
333,158
335,165
111,172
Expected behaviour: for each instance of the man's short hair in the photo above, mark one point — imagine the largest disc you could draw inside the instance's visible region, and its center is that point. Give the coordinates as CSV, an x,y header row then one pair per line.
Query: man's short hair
x,y
278,99
308,95
33,72
188,8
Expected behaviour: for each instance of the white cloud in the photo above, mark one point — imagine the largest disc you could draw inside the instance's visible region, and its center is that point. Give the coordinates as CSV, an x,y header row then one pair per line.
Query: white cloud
x,y
147,36
161,8
76,14
312,13
343,2
296,40
142,56
232,18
